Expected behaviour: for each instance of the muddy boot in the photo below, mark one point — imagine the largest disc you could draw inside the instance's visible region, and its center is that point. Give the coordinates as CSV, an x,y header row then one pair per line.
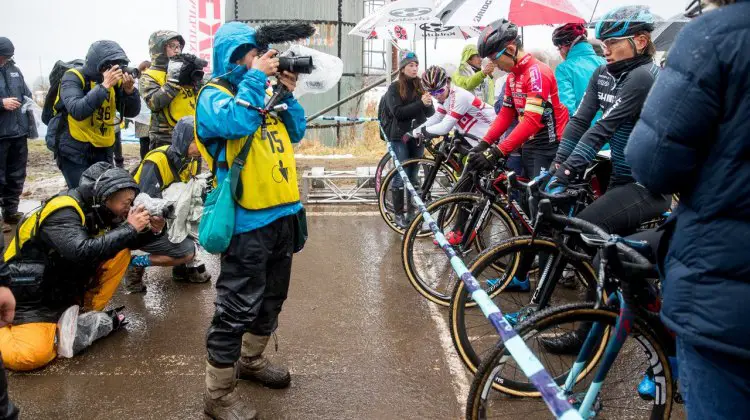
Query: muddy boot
x,y
255,367
133,282
221,400
11,219
397,195
184,274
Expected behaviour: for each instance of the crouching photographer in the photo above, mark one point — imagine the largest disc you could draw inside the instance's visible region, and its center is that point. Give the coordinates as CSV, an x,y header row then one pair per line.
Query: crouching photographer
x,y
161,167
59,263
169,86
249,149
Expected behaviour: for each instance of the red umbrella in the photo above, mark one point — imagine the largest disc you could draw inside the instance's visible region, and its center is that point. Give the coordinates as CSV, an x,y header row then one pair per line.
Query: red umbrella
x,y
520,12
543,12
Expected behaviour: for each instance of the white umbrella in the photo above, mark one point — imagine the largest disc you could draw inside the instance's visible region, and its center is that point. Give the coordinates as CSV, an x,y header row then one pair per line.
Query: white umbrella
x,y
401,12
433,30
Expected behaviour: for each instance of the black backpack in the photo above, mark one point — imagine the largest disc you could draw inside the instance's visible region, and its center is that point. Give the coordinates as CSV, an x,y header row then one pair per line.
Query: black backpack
x,y
55,76
385,117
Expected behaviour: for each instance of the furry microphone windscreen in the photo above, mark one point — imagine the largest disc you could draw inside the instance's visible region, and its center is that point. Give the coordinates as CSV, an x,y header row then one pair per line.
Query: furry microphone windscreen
x,y
276,33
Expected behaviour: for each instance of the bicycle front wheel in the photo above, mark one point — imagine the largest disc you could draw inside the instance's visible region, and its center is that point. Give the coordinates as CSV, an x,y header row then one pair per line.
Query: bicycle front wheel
x,y
473,336
441,186
425,263
384,166
642,352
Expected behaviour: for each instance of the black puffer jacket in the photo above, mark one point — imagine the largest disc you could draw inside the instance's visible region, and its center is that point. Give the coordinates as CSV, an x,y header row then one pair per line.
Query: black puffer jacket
x,y
151,180
12,85
71,253
81,104
405,111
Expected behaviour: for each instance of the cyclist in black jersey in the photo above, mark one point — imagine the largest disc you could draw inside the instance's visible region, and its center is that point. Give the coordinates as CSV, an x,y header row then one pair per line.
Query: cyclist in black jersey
x,y
619,90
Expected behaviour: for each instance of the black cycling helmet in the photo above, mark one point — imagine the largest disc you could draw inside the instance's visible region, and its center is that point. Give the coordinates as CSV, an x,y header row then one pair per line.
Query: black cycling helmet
x,y
568,34
434,78
496,37
625,22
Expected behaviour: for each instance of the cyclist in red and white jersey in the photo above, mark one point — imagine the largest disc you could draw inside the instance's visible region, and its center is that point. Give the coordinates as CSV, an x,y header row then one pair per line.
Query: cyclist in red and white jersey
x,y
531,95
456,108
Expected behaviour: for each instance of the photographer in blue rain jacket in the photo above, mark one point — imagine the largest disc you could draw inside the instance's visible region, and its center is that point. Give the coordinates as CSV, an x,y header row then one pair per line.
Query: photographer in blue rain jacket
x,y
256,267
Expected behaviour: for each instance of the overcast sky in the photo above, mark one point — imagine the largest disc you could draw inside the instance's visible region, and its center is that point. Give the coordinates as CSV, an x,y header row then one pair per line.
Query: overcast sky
x,y
49,30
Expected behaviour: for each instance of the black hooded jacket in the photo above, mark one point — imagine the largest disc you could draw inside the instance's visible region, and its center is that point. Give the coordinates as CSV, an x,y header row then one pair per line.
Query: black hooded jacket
x,y
151,180
12,85
70,252
81,104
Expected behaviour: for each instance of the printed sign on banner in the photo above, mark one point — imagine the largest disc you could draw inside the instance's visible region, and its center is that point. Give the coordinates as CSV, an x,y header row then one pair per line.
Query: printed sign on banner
x,y
198,22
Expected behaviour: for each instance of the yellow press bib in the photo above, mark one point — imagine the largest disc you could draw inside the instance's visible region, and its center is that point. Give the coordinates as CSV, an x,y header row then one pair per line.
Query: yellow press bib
x,y
182,105
158,156
27,228
269,177
99,128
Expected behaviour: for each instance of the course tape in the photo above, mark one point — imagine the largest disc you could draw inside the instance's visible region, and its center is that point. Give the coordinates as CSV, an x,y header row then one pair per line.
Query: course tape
x,y
529,364
345,119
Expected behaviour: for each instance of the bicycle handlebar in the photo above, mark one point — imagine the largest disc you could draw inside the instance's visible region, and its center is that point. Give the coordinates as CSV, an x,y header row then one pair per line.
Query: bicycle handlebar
x,y
545,213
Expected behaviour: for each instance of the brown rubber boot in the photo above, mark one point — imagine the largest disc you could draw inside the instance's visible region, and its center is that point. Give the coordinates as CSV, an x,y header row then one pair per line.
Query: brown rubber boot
x,y
253,366
221,400
133,282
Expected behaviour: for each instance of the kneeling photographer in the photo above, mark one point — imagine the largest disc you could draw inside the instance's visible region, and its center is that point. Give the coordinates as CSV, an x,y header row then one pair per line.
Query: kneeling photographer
x,y
160,168
169,86
70,255
250,150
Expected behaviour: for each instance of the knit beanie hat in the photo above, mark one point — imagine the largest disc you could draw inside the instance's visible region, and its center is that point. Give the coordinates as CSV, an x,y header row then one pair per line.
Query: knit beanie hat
x,y
406,58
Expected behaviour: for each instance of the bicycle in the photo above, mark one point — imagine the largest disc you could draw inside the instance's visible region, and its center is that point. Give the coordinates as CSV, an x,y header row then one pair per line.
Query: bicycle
x,y
495,213
437,175
626,307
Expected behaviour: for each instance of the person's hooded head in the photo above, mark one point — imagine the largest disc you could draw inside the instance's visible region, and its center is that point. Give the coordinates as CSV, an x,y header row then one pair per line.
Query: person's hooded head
x,y
109,191
470,56
6,50
101,56
162,45
236,45
183,148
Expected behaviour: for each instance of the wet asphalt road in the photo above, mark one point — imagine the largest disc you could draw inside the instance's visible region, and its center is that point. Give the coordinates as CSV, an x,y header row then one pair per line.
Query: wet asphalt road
x,y
359,341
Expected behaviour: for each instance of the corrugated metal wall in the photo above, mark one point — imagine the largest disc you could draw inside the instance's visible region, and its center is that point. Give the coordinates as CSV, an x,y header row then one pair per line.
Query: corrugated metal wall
x,y
324,15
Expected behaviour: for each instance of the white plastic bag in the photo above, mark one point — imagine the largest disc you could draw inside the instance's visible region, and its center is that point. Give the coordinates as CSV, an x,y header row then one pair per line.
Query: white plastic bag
x,y
327,73
188,207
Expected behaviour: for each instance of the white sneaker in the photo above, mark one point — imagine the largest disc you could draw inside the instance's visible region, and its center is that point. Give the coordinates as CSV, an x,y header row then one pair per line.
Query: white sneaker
x,y
67,327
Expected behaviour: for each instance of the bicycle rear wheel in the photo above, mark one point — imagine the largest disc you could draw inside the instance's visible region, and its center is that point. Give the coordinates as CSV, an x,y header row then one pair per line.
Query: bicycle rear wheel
x,y
643,350
442,185
473,336
425,263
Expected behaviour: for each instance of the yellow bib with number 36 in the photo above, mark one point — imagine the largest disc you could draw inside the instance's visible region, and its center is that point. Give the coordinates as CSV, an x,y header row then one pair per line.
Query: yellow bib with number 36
x,y
99,128
183,103
269,177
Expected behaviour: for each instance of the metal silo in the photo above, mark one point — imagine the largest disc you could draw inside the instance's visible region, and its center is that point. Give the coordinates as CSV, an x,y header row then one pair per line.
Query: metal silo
x,y
333,19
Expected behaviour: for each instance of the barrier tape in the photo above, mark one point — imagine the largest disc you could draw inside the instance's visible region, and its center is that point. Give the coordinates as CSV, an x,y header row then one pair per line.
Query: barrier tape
x,y
345,119
529,364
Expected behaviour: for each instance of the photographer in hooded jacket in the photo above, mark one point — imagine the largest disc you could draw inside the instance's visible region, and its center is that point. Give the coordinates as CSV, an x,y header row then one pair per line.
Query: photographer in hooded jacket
x,y
256,267
169,86
91,97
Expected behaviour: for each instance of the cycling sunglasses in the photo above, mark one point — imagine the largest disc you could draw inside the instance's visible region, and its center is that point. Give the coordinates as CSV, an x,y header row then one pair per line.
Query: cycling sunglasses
x,y
500,53
438,91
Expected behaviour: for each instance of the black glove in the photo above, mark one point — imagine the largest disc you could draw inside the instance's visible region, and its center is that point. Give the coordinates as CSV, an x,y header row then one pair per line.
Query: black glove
x,y
489,159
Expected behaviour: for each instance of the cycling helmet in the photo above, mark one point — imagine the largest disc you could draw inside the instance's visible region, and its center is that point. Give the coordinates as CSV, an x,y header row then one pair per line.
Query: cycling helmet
x,y
434,78
625,22
496,37
568,34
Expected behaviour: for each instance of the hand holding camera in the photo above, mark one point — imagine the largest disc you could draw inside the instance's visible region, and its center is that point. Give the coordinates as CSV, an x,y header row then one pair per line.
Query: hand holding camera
x,y
128,83
139,218
112,76
268,63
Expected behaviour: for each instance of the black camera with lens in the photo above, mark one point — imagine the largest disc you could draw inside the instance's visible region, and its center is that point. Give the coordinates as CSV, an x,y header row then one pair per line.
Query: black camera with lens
x,y
133,71
192,70
300,65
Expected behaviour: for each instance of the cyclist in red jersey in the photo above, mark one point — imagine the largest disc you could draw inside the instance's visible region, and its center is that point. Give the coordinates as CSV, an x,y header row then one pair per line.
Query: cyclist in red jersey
x,y
530,94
